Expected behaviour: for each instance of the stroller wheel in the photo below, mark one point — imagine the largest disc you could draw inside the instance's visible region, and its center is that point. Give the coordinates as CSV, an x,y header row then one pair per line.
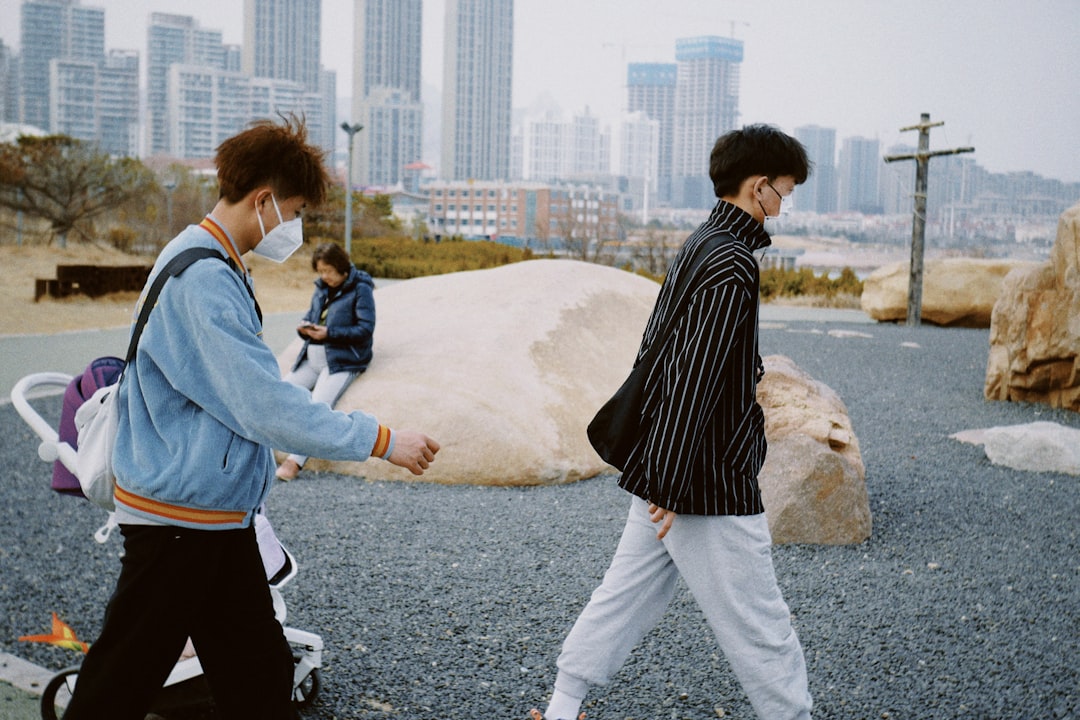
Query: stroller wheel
x,y
305,691
58,692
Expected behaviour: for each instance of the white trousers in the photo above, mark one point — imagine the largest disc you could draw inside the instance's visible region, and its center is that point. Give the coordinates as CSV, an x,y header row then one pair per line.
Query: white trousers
x,y
726,561
325,386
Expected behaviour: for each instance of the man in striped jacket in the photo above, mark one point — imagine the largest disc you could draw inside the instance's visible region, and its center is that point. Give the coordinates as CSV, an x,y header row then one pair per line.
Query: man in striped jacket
x,y
696,509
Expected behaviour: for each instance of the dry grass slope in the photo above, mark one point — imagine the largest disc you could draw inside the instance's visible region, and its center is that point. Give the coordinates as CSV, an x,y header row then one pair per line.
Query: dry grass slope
x,y
279,288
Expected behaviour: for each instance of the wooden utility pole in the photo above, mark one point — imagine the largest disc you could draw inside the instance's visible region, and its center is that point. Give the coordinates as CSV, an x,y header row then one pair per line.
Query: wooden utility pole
x,y
918,222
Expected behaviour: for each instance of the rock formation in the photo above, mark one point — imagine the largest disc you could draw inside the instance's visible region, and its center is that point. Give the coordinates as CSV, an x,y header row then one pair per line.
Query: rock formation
x,y
957,292
1034,447
814,481
505,368
1035,329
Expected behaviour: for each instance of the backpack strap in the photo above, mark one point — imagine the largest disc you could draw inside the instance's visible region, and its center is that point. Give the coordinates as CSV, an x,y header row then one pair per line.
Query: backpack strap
x,y
174,267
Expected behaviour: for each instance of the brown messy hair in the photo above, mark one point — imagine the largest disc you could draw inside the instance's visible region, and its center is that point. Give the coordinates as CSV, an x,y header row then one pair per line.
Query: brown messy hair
x,y
274,154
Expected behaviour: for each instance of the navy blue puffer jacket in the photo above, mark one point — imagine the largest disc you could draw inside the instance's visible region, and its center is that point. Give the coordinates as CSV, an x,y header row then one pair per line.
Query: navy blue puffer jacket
x,y
350,322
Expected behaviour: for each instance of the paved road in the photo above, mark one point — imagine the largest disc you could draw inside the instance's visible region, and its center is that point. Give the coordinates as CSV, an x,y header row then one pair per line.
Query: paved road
x,y
71,351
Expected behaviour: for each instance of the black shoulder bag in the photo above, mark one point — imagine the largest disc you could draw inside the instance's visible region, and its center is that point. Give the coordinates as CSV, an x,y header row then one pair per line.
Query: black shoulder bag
x,y
618,425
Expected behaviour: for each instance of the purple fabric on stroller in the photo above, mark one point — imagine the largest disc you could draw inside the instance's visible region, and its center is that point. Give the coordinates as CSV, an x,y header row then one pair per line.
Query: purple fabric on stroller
x,y
99,373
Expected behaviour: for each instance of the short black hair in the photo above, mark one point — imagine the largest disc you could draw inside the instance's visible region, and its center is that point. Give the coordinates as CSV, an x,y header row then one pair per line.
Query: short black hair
x,y
333,255
755,150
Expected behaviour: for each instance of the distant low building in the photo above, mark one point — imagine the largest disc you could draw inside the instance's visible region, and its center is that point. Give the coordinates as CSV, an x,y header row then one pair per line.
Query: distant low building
x,y
521,214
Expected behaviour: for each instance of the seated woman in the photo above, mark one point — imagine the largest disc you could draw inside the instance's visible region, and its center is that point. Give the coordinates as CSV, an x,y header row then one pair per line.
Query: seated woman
x,y
337,332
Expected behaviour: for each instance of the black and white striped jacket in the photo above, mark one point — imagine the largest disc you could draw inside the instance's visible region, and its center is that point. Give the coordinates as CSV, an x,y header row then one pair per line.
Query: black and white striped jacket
x,y
706,440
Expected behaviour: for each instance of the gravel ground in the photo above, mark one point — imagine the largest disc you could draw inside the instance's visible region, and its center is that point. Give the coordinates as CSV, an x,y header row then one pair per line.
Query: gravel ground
x,y
451,602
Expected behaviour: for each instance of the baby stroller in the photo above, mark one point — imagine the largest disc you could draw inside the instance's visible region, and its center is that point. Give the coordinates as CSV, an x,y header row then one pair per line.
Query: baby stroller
x,y
186,686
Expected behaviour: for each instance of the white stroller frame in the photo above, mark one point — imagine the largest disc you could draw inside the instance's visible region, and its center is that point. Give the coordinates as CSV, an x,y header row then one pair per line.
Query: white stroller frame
x,y
307,647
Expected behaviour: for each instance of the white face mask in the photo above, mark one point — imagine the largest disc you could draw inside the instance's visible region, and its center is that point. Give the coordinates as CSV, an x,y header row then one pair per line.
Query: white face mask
x,y
283,240
785,204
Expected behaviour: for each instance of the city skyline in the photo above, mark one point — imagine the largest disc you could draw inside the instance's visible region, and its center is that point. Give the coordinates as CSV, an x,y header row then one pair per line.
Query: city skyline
x,y
1000,78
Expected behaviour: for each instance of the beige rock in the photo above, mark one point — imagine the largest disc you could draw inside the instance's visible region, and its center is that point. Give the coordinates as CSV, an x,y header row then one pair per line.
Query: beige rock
x,y
813,483
957,292
1035,328
504,367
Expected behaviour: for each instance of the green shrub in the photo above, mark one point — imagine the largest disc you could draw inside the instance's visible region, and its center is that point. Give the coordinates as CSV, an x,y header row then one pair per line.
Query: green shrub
x,y
777,282
400,257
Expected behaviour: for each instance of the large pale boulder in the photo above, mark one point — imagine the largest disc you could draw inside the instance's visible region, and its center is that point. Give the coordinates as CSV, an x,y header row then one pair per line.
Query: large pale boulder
x,y
1035,329
814,481
504,367
957,292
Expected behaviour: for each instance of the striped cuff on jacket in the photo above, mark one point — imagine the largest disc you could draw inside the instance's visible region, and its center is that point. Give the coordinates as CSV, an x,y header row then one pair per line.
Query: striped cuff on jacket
x,y
384,443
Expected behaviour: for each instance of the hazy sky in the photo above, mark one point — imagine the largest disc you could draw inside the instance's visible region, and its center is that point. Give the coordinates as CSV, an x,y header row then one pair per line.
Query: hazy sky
x,y
1004,75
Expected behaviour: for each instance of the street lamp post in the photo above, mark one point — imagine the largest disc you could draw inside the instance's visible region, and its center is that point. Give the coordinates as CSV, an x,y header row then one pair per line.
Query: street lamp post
x,y
169,185
351,131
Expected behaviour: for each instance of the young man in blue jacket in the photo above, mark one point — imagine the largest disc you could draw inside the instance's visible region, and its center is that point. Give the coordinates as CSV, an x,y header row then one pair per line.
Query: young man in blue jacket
x,y
200,407
696,509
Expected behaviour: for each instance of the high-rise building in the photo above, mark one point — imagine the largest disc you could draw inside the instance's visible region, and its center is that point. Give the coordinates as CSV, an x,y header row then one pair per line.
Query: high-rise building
x,y
386,90
650,90
54,30
97,101
818,193
328,93
208,105
118,103
281,40
281,43
477,85
554,149
544,149
860,168
706,107
639,153
9,97
174,39
586,148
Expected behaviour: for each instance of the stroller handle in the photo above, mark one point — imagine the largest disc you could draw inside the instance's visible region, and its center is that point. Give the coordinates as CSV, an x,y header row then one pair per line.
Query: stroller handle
x,y
51,448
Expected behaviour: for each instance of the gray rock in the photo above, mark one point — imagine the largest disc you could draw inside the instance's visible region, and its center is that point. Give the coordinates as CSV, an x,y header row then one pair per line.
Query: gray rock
x,y
1035,447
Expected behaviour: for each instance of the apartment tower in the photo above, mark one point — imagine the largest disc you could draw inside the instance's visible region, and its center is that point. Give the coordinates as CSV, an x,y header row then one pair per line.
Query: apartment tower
x,y
650,89
706,107
54,30
860,168
818,193
281,40
174,40
386,90
477,85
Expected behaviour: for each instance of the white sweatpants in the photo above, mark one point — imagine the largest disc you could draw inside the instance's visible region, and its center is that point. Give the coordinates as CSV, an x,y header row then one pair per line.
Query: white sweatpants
x,y
726,561
325,386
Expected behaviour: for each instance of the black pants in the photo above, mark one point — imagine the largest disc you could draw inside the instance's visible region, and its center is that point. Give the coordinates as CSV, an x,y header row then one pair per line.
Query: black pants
x,y
177,583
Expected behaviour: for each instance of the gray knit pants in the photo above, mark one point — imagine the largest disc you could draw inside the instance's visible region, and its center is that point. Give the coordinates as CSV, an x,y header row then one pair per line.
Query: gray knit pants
x,y
726,561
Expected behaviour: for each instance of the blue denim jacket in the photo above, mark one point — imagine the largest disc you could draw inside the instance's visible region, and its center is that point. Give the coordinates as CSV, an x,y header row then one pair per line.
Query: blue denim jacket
x,y
202,403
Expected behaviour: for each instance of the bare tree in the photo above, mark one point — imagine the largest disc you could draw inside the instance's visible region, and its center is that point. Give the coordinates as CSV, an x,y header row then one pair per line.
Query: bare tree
x,y
653,251
584,240
67,182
